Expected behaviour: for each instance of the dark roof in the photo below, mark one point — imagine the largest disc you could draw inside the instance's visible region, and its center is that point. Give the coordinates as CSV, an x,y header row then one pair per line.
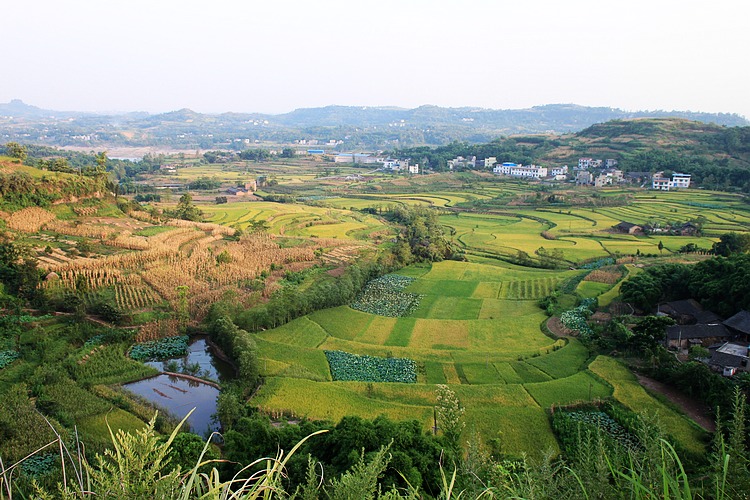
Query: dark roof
x,y
723,359
626,226
707,317
696,331
688,307
740,322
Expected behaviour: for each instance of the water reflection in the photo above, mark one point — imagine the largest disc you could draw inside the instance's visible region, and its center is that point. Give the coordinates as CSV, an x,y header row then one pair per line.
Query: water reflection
x,y
178,395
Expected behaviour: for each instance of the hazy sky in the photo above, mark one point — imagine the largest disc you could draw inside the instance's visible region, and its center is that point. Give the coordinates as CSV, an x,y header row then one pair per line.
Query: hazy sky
x,y
277,55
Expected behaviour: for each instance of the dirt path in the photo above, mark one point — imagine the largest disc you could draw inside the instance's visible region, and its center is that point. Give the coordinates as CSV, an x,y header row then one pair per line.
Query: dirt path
x,y
557,328
692,408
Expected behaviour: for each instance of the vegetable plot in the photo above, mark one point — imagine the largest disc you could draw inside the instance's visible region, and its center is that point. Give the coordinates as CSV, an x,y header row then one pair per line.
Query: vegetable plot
x,y
155,350
352,367
384,296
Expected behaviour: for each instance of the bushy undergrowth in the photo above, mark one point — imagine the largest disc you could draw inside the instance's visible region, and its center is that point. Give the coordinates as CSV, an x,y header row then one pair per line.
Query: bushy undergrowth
x,y
7,357
352,367
569,425
384,296
575,319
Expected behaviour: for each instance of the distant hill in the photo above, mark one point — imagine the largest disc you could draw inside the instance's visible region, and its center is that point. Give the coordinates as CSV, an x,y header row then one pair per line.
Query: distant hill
x,y
552,118
351,127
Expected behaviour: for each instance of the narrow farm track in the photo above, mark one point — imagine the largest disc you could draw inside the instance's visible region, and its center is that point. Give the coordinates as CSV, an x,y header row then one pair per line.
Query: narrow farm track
x,y
690,406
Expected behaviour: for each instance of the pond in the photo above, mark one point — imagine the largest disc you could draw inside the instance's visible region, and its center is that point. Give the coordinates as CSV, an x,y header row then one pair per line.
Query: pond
x,y
177,395
199,362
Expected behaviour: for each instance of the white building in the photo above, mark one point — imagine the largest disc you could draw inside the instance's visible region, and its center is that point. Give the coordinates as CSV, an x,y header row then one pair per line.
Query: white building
x,y
414,169
678,181
559,171
488,162
514,170
584,163
504,168
460,161
395,165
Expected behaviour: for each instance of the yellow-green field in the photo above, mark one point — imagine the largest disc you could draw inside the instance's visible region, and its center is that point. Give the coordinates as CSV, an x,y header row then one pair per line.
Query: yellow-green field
x,y
295,220
630,393
465,333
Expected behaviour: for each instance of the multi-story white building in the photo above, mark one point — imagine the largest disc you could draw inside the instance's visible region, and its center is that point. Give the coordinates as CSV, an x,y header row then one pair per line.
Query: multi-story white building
x,y
557,171
414,169
488,162
678,181
584,163
504,168
515,170
395,165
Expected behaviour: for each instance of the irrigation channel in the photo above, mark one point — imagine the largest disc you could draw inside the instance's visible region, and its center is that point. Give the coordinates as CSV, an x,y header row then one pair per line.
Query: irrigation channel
x,y
180,387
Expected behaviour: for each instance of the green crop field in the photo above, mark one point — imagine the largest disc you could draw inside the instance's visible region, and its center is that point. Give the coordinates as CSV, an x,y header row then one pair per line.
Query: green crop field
x,y
630,393
465,333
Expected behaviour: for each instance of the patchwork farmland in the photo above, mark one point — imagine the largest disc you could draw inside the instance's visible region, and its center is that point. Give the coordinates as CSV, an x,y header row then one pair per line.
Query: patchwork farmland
x,y
477,328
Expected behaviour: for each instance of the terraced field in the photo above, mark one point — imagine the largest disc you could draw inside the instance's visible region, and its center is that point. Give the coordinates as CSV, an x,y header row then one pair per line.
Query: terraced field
x,y
586,233
477,328
295,220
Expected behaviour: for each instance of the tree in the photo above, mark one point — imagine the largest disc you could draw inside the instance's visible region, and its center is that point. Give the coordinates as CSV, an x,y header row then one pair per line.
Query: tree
x,y
450,414
16,150
731,243
186,210
287,153
259,226
650,332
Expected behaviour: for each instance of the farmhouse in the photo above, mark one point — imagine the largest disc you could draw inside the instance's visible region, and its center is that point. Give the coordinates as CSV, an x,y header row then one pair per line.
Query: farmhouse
x,y
730,357
687,312
584,178
627,227
356,158
739,324
685,336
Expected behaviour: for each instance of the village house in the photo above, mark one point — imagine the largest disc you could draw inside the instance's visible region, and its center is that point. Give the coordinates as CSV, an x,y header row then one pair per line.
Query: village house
x,y
628,228
395,165
677,181
514,170
730,358
584,163
739,324
584,178
356,158
460,161
687,312
686,336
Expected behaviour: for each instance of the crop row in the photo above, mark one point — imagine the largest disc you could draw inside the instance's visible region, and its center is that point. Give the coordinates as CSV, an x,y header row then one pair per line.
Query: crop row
x,y
605,423
352,367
